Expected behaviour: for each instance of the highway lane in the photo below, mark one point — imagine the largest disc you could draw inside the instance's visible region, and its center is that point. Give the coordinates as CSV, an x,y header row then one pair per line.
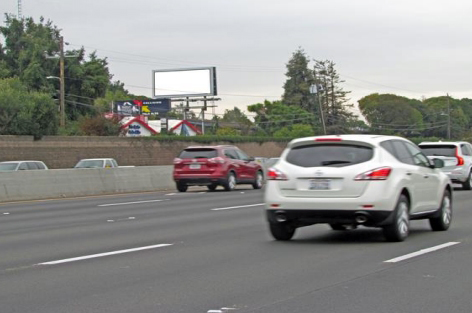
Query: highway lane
x,y
218,259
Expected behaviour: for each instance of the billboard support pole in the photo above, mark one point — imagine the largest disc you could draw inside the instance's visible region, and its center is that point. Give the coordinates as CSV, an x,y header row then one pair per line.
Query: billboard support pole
x,y
203,114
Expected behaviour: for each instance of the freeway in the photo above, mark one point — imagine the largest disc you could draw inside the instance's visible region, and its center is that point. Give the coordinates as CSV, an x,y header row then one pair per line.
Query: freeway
x,y
211,252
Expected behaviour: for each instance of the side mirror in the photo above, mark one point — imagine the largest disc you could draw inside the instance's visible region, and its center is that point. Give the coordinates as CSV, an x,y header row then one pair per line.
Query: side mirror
x,y
438,163
251,159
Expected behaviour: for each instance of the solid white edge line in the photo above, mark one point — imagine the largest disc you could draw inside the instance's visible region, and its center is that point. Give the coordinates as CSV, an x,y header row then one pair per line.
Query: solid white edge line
x,y
237,207
125,203
421,252
104,254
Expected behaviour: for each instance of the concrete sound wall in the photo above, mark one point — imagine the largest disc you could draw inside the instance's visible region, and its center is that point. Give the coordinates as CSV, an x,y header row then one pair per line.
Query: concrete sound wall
x,y
35,185
65,152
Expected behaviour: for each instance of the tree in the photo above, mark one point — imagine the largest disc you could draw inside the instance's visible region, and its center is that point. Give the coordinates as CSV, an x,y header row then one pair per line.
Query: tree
x,y
99,126
227,131
392,114
272,116
238,120
435,114
333,98
24,112
295,131
299,80
23,56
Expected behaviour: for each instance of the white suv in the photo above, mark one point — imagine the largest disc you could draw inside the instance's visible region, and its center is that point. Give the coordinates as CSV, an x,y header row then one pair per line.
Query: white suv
x,y
457,157
351,180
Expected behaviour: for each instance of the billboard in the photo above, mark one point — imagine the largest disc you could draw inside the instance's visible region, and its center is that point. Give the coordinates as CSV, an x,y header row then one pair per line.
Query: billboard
x,y
189,82
136,107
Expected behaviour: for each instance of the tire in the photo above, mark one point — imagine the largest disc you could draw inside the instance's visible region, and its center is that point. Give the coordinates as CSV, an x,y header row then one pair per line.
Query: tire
x,y
259,180
282,231
443,221
230,182
467,185
182,187
212,187
400,228
337,227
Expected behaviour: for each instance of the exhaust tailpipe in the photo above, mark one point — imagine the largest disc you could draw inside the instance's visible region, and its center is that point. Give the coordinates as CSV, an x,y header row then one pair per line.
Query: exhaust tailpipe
x,y
281,217
361,219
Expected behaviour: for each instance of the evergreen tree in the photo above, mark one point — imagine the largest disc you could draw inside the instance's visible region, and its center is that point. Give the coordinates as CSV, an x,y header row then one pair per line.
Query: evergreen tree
x,y
299,80
333,98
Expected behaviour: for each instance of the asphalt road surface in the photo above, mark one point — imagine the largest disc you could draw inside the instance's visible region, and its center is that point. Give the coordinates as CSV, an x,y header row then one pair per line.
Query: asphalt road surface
x,y
212,252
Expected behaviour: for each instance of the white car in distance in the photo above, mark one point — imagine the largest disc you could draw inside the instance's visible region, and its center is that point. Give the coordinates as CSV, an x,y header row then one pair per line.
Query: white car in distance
x,y
97,163
351,180
457,157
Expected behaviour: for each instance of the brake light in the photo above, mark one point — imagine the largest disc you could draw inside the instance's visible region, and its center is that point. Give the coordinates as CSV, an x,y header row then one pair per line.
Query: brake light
x,y
275,174
177,161
460,160
217,160
380,173
328,139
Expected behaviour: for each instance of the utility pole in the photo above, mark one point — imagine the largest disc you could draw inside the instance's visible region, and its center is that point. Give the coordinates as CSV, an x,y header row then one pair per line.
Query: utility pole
x,y
20,15
448,118
61,76
315,91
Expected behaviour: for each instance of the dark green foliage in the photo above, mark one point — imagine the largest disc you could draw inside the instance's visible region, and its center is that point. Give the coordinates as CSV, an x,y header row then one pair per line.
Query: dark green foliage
x,y
299,80
333,98
23,55
273,116
235,118
295,131
24,112
391,114
99,126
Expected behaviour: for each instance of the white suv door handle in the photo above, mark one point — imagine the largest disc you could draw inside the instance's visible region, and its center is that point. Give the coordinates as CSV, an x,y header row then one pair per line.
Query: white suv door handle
x,y
426,176
409,173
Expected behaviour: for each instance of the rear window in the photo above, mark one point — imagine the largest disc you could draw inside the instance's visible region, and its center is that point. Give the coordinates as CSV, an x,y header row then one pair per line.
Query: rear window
x,y
90,164
8,166
334,155
198,154
439,150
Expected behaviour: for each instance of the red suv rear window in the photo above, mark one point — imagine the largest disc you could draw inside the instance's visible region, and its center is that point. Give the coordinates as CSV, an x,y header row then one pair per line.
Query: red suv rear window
x,y
202,153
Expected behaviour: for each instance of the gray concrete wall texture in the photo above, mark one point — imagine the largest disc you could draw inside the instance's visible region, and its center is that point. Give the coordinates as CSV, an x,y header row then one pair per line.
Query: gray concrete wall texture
x,y
63,183
65,152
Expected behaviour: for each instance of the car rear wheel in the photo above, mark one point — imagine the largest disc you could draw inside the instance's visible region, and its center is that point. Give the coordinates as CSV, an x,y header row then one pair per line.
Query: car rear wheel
x,y
230,182
212,187
443,221
259,180
281,231
400,228
182,187
467,185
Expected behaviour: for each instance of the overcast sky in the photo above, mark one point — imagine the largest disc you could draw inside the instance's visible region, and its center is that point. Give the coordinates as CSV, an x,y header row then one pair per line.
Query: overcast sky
x,y
411,48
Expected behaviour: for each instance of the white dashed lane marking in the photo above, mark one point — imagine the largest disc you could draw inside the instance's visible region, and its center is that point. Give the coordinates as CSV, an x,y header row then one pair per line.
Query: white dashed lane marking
x,y
99,255
136,202
238,207
421,252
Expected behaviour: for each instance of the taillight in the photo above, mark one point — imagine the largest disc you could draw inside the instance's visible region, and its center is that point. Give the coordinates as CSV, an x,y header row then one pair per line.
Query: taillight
x,y
177,161
460,160
217,160
380,173
275,174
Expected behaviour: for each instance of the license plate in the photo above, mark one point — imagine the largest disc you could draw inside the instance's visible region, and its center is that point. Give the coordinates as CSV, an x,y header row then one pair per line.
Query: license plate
x,y
320,184
194,166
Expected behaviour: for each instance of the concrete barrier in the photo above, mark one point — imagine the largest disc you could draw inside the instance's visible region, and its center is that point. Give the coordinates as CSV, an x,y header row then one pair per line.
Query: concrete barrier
x,y
62,183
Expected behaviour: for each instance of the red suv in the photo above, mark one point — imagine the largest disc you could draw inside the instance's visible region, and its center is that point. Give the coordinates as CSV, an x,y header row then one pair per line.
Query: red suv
x,y
216,165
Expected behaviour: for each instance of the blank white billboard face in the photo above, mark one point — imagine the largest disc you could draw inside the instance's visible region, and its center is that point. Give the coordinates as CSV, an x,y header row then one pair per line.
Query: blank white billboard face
x,y
192,82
